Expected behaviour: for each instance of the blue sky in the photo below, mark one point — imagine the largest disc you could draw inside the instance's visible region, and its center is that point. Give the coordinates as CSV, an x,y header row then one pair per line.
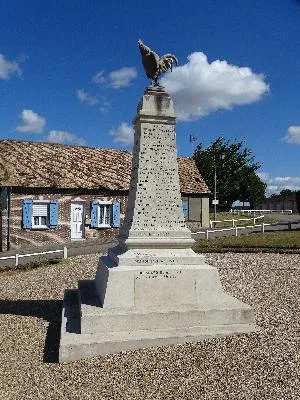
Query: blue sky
x,y
70,72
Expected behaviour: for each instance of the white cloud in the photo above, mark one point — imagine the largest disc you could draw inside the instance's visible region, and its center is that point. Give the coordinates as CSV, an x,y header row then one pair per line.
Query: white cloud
x,y
264,176
84,97
65,137
31,122
278,183
199,88
8,68
122,77
99,78
117,79
105,106
123,134
293,135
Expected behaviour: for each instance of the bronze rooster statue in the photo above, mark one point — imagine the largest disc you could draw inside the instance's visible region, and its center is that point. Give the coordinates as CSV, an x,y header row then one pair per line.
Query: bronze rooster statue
x,y
155,65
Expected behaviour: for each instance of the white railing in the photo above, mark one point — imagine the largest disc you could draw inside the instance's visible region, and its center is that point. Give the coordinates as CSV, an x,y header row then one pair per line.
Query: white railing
x,y
233,221
236,228
17,256
261,211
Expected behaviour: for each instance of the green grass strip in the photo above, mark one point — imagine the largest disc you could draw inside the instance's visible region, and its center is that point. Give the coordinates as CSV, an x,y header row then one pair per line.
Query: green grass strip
x,y
268,241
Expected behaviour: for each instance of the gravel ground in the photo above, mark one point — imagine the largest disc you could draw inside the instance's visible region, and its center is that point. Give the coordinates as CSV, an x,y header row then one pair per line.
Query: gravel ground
x,y
263,365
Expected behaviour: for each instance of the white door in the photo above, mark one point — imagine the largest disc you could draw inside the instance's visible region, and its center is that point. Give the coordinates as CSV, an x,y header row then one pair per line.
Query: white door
x,y
77,218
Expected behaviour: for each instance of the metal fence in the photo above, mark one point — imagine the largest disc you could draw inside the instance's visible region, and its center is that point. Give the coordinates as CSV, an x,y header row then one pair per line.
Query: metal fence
x,y
213,223
237,228
18,256
262,211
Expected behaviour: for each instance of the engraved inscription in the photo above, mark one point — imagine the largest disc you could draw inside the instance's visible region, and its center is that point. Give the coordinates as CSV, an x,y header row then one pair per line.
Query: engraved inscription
x,y
154,203
158,274
154,261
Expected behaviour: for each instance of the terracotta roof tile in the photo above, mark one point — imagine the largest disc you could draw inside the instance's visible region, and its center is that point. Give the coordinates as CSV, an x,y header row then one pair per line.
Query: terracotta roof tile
x,y
35,164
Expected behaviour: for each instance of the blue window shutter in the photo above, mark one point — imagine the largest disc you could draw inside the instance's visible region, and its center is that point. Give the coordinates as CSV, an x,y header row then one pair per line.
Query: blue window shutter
x,y
185,209
94,213
27,214
53,214
116,213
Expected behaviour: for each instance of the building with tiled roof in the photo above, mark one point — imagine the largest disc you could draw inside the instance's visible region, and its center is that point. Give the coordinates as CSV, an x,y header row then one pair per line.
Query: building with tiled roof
x,y
48,192
34,164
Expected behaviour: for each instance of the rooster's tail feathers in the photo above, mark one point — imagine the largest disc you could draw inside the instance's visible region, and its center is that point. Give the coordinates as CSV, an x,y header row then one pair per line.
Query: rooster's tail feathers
x,y
170,58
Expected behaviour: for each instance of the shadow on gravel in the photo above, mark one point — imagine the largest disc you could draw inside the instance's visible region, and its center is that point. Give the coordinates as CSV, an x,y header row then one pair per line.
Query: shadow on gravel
x,y
48,310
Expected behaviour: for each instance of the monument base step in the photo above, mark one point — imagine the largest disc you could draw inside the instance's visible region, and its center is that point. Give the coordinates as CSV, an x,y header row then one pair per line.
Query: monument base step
x,y
75,345
219,309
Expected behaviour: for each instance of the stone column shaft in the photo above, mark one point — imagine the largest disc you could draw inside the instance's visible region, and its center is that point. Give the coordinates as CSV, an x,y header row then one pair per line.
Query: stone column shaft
x,y
154,213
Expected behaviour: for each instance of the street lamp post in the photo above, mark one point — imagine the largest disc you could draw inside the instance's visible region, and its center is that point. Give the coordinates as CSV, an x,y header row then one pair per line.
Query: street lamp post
x,y
215,193
215,201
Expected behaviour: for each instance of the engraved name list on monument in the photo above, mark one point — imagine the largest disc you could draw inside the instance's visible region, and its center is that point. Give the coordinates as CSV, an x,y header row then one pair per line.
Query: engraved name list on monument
x,y
157,203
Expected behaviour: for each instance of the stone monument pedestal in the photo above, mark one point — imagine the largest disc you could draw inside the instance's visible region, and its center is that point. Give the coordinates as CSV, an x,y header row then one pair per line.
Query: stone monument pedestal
x,y
151,289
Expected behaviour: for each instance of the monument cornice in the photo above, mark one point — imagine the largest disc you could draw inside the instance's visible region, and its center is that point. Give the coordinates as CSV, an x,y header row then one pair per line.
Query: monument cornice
x,y
150,118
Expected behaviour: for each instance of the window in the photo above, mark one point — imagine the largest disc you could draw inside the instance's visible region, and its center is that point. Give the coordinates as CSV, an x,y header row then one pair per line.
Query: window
x,y
105,211
39,222
105,214
40,215
185,209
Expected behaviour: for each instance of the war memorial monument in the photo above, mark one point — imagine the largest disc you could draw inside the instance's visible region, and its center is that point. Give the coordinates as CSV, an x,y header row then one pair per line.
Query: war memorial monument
x,y
151,289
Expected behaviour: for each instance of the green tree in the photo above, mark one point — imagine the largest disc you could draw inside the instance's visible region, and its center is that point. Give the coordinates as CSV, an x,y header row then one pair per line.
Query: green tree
x,y
235,168
286,192
251,187
298,200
